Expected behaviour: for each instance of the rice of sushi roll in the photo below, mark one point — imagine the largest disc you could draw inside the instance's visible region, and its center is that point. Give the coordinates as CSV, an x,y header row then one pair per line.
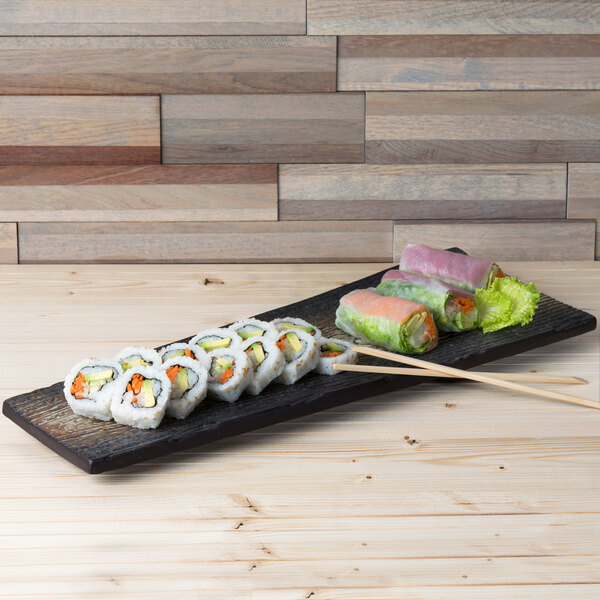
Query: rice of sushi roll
x,y
266,359
248,328
140,398
89,387
216,339
301,352
188,385
229,375
294,323
180,349
137,356
333,351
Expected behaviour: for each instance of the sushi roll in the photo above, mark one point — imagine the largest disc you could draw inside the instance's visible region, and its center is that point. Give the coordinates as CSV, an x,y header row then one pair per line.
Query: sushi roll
x,y
266,359
216,339
294,323
229,375
136,356
141,397
181,349
334,351
188,385
248,328
90,385
393,323
301,352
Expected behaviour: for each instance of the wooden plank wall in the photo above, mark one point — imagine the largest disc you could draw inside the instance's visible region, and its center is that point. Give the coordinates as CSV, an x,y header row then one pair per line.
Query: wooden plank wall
x,y
298,130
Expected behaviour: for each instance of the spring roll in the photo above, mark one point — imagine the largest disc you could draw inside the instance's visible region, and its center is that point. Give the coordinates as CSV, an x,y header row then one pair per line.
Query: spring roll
x,y
393,323
462,271
453,309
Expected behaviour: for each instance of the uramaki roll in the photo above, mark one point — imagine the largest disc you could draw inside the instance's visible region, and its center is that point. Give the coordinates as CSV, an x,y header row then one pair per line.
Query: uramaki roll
x,y
453,309
466,272
393,323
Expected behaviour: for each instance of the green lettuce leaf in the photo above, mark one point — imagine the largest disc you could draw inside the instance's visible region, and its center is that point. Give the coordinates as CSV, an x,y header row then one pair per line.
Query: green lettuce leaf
x,y
504,292
495,309
525,298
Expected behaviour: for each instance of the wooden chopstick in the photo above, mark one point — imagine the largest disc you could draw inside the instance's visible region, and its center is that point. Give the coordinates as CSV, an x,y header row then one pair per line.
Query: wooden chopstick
x,y
416,362
527,377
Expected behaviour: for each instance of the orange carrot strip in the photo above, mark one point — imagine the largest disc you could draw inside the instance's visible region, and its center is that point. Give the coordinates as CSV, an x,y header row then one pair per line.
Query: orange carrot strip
x,y
500,273
227,375
328,354
465,305
172,371
188,353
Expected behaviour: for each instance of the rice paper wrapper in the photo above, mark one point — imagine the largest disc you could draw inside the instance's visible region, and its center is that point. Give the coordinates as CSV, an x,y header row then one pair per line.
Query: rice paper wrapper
x,y
380,320
432,293
466,272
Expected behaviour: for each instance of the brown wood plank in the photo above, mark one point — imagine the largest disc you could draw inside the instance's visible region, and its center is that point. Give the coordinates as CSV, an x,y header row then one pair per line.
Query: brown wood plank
x,y
559,239
469,62
141,65
477,127
583,196
416,17
140,193
421,191
299,128
152,17
262,242
9,252
79,130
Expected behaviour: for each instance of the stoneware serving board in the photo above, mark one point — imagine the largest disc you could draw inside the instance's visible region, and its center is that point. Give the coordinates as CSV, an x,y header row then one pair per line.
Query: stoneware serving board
x,y
96,446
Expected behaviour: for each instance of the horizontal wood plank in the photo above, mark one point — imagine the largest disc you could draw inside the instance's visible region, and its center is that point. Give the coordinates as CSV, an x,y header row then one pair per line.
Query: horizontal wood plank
x,y
142,65
299,128
503,240
141,193
583,197
152,17
406,17
54,130
421,191
469,62
476,127
9,253
222,242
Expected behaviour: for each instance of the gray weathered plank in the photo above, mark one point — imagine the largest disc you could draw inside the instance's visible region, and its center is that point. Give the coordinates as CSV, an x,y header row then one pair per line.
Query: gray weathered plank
x,y
469,62
262,242
152,17
559,239
406,17
583,197
299,128
421,191
477,127
190,64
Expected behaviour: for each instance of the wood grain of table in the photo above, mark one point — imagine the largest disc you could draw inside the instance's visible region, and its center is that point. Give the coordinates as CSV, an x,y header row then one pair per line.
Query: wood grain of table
x,y
452,491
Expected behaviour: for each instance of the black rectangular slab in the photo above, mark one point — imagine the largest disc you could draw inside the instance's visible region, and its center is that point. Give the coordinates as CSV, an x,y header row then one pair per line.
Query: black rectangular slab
x,y
96,446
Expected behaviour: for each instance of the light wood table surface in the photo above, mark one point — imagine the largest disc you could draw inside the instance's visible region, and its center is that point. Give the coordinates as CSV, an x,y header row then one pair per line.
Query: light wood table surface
x,y
445,491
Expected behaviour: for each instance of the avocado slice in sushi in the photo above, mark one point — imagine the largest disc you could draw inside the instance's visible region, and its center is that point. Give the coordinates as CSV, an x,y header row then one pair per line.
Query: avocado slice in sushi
x,y
215,344
306,328
250,333
147,399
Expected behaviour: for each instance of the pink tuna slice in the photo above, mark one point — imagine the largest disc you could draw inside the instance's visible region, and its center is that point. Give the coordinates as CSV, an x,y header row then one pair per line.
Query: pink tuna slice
x,y
426,282
457,268
371,304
